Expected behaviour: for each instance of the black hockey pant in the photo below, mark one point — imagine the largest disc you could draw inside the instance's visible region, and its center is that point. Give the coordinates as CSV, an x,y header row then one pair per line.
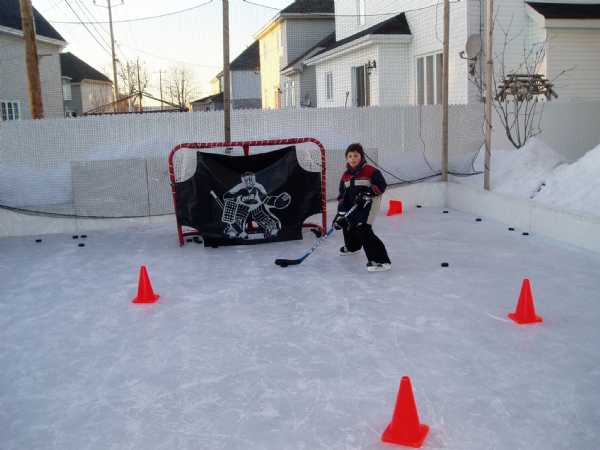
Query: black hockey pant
x,y
362,236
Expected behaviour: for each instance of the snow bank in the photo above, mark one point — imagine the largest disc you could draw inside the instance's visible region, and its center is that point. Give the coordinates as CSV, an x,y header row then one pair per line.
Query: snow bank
x,y
575,186
539,173
517,172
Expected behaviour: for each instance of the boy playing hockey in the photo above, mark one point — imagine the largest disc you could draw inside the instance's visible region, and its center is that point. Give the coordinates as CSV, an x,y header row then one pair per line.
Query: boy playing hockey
x,y
361,185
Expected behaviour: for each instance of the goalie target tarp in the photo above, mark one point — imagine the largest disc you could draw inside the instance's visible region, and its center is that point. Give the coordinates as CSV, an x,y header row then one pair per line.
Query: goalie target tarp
x,y
235,200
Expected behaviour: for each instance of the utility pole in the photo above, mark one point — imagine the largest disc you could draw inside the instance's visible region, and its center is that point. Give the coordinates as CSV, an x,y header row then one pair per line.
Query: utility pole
x,y
112,48
31,59
137,63
489,67
226,82
160,88
445,90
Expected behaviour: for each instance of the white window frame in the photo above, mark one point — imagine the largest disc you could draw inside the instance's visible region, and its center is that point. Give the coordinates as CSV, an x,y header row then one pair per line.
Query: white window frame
x,y
292,93
67,90
434,77
329,85
365,86
361,12
15,105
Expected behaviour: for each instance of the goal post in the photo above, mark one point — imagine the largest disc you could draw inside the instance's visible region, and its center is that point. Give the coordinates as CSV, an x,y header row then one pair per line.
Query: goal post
x,y
310,155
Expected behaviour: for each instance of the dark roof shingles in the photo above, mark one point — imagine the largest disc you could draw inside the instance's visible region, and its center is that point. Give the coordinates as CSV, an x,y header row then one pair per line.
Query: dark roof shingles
x,y
77,70
393,25
567,10
10,16
323,44
249,59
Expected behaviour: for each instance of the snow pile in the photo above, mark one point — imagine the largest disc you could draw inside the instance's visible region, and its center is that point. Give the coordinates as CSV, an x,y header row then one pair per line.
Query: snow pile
x,y
518,172
575,186
539,173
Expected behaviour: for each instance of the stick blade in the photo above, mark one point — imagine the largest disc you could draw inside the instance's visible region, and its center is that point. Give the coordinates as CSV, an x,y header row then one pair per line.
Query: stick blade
x,y
287,262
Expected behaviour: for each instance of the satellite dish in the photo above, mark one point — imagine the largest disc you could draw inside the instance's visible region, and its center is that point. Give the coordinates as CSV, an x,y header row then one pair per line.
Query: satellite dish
x,y
473,46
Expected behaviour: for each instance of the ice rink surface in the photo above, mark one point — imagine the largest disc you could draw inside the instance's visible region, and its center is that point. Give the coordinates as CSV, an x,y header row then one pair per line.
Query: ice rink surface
x,y
241,354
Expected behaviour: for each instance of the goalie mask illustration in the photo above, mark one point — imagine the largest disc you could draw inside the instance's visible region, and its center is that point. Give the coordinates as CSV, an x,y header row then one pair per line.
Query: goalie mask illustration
x,y
249,202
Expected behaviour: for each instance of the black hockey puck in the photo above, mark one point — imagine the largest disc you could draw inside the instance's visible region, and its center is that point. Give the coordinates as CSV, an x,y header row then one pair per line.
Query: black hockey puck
x,y
83,236
189,240
478,219
197,240
419,206
445,211
511,229
38,240
525,233
81,244
75,236
444,264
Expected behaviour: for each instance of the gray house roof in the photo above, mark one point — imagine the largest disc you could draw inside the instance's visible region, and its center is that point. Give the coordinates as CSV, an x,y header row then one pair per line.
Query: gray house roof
x,y
215,98
567,10
394,25
10,16
76,69
319,47
249,59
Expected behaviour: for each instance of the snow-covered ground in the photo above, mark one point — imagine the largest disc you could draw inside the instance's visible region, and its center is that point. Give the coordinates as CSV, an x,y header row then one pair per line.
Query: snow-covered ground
x,y
539,173
241,354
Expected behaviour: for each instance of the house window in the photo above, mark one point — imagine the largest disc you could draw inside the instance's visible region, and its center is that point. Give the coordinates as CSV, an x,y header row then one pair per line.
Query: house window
x,y
10,111
329,85
361,11
361,86
67,90
429,79
292,94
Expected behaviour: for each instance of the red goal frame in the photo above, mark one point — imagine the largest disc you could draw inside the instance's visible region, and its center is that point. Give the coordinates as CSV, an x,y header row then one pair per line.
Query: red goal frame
x,y
246,145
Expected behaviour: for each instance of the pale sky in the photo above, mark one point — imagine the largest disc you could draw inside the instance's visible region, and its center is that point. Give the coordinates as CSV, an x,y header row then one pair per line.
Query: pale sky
x,y
191,39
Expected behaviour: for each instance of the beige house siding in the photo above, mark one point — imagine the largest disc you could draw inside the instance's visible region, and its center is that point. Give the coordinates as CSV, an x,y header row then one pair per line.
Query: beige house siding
x,y
94,94
576,51
270,66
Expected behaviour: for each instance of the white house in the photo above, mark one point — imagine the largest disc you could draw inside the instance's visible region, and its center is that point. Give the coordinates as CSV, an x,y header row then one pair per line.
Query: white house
x,y
287,36
14,89
390,51
244,84
84,88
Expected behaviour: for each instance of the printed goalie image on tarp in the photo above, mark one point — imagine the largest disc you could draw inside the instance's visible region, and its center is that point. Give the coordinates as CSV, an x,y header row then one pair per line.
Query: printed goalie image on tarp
x,y
234,200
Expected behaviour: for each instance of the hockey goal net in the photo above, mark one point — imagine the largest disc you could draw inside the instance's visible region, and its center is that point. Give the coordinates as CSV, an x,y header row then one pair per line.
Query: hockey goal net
x,y
310,154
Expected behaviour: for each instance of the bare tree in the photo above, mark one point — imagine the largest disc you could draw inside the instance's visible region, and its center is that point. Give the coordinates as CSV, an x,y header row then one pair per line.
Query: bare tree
x,y
180,87
519,93
134,78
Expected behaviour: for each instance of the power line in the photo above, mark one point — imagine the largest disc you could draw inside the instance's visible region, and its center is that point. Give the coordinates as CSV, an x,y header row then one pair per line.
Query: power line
x,y
172,13
171,59
86,27
87,12
395,13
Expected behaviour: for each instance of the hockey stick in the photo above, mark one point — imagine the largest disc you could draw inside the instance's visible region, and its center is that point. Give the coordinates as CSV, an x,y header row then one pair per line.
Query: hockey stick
x,y
294,262
217,199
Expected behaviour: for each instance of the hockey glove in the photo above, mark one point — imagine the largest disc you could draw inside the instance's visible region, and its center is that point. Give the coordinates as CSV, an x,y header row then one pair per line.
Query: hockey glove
x,y
340,221
363,199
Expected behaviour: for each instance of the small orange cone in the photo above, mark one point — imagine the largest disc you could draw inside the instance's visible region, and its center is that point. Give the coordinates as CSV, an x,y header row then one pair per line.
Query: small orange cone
x,y
394,208
525,312
405,429
145,293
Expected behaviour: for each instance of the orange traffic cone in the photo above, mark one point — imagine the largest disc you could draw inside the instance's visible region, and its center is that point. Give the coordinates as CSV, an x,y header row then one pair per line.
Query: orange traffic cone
x,y
525,312
394,208
405,428
145,293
